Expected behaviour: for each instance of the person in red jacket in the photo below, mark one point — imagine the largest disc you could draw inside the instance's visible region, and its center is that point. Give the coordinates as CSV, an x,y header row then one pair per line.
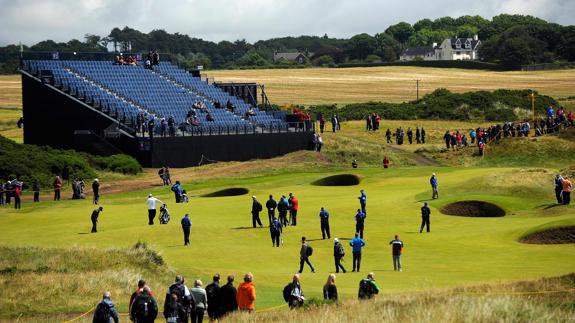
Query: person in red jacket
x,y
57,188
385,162
247,294
571,117
293,207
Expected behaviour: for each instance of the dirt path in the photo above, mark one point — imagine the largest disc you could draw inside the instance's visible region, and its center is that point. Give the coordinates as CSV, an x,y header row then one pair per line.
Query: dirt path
x,y
419,159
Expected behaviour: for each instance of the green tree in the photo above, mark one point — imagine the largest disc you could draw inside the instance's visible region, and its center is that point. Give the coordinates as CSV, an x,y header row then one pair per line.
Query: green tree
x,y
252,58
401,31
423,24
324,61
361,45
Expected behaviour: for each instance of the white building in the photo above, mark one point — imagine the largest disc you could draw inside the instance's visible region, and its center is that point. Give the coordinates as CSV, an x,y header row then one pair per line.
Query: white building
x,y
451,49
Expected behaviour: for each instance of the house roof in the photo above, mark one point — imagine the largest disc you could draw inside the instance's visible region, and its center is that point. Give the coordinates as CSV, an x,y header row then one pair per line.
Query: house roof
x,y
288,56
418,51
474,43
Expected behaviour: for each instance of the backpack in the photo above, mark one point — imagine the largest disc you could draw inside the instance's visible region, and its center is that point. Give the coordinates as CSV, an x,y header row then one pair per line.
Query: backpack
x,y
365,289
287,292
102,313
179,290
309,251
144,308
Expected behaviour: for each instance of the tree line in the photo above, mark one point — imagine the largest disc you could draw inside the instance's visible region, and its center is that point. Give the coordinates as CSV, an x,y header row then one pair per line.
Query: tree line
x,y
509,40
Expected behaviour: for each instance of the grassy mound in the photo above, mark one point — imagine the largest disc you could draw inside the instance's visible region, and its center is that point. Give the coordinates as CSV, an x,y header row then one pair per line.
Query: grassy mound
x,y
234,191
338,180
64,280
31,163
558,235
480,209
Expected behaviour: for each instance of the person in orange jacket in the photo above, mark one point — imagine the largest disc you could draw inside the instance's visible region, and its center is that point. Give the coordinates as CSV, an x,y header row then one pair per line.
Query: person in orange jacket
x,y
247,294
567,186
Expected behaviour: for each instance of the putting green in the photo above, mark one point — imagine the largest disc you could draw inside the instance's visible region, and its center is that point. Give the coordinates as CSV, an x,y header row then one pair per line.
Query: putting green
x,y
459,250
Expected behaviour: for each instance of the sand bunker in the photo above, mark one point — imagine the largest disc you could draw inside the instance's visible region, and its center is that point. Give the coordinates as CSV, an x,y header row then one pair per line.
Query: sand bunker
x,y
338,180
558,235
234,191
473,209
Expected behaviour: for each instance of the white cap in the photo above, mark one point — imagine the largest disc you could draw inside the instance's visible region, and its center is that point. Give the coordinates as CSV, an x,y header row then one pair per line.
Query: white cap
x,y
433,174
336,240
150,195
254,197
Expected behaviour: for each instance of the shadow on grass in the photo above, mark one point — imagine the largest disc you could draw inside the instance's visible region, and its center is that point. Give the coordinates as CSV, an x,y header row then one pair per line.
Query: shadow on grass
x,y
247,228
84,232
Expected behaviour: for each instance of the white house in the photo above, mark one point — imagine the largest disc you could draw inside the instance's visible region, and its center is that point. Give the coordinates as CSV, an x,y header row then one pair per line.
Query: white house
x,y
451,49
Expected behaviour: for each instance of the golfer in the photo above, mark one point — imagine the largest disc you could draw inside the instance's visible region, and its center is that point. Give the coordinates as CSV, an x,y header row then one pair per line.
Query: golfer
x,y
152,203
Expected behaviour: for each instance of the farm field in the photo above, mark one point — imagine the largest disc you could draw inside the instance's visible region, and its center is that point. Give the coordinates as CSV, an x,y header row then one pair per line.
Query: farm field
x,y
390,84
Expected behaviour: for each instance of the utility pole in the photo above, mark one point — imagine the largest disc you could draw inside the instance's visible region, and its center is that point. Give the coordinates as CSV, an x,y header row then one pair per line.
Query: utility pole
x,y
532,97
417,89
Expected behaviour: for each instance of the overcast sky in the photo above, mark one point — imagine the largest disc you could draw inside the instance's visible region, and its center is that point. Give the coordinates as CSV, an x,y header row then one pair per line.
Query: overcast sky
x,y
30,21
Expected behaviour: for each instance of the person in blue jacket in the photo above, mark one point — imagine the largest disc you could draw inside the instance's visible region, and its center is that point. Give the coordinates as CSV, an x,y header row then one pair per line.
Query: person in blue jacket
x,y
106,312
433,182
356,243
186,225
177,189
359,222
324,219
283,206
362,201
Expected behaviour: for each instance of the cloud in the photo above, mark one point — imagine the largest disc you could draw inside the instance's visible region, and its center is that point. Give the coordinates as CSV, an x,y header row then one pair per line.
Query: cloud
x,y
30,21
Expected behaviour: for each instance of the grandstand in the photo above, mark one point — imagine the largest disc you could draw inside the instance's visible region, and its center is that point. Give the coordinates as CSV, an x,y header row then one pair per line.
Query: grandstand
x,y
105,108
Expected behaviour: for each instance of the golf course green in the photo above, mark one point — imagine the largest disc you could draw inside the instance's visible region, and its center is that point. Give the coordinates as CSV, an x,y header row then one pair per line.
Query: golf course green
x,y
458,251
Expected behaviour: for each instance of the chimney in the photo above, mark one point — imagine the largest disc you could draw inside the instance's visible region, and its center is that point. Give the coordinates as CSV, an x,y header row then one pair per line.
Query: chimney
x,y
476,37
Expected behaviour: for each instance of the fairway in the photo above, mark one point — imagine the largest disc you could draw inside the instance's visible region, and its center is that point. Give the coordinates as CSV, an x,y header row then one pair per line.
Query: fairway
x,y
389,84
458,251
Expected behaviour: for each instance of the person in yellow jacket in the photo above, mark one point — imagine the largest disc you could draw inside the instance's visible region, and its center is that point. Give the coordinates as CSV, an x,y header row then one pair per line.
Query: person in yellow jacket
x,y
567,186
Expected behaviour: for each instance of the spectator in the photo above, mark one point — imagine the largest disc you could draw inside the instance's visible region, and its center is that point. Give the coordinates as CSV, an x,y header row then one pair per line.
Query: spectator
x,y
396,251
567,186
209,117
151,128
354,164
20,123
2,192
324,223
385,162
256,209
422,135
559,188
434,184
388,136
368,287
410,135
96,190
17,192
293,293
152,204
94,218
271,205
213,297
329,289
155,58
319,143
283,206
184,297
275,232
177,189
305,252
417,136
246,295
362,201
199,295
144,309
425,213
368,126
447,138
294,206
57,188
334,123
105,312
186,226
338,254
173,310
360,222
356,243
228,297
141,284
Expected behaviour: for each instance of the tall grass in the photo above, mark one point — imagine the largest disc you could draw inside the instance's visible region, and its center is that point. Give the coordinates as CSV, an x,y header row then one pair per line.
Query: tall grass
x,y
519,302
38,281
